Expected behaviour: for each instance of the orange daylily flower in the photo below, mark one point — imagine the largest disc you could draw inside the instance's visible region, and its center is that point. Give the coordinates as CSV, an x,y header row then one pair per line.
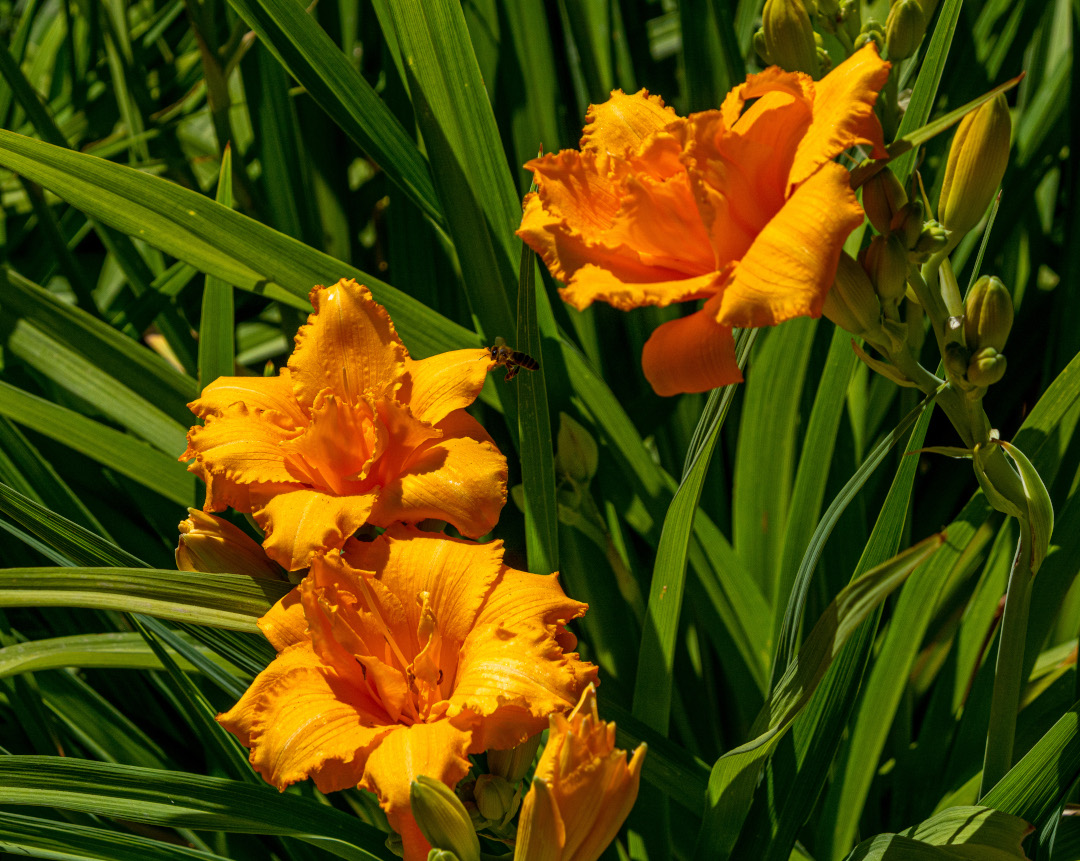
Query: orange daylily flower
x,y
582,791
352,431
213,545
743,207
401,656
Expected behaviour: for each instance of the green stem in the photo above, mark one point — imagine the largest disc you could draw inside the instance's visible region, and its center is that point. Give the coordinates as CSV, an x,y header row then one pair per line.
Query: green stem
x,y
1008,681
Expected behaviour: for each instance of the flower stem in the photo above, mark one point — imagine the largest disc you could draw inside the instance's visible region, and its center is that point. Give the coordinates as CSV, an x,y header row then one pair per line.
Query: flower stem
x,y
1008,681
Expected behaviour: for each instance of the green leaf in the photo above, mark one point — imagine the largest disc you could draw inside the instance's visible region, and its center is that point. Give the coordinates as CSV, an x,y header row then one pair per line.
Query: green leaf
x,y
179,800
1040,513
121,452
467,159
735,774
534,432
973,833
231,601
656,658
216,347
28,835
213,238
925,91
328,76
99,651
1034,787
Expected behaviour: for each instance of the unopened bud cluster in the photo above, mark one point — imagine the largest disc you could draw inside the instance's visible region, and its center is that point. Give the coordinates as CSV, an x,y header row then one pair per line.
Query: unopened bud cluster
x,y
988,317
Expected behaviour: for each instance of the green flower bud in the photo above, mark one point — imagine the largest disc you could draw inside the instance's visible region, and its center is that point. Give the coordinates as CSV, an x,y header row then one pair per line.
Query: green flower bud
x,y
441,855
904,29
760,49
908,222
443,819
955,361
852,303
871,32
988,314
986,367
882,197
851,18
886,263
496,799
513,764
789,36
977,160
576,456
394,844
933,238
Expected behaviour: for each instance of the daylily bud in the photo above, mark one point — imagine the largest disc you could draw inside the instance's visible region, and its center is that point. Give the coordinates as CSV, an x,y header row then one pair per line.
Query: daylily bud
x,y
576,455
933,238
214,546
887,265
496,799
441,855
904,29
789,36
986,367
851,18
871,32
988,315
977,160
852,303
513,764
759,47
908,222
443,819
583,790
882,197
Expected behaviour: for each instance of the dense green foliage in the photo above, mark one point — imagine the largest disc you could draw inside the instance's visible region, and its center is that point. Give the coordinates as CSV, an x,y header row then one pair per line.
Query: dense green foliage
x,y
157,154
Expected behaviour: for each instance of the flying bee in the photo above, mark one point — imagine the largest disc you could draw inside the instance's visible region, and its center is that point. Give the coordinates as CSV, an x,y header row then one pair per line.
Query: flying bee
x,y
511,359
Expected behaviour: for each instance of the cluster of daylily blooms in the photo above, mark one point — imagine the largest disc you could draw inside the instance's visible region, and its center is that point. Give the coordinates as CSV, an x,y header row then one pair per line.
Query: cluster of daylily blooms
x,y
403,650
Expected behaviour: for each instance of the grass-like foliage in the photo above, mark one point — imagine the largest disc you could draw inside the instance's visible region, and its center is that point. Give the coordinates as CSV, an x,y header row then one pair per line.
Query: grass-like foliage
x,y
837,600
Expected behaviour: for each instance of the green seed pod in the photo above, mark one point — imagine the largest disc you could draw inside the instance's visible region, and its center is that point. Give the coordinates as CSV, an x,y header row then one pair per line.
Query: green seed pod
x,y
904,29
882,197
886,263
443,819
986,367
852,303
977,160
789,36
988,315
908,223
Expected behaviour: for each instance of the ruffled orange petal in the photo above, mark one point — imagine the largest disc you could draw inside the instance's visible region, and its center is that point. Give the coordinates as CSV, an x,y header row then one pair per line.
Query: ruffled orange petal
x,y
241,446
338,447
301,720
792,263
691,354
349,345
258,393
303,522
457,575
844,112
438,385
458,478
617,127
514,679
406,434
285,624
774,79
592,283
436,749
